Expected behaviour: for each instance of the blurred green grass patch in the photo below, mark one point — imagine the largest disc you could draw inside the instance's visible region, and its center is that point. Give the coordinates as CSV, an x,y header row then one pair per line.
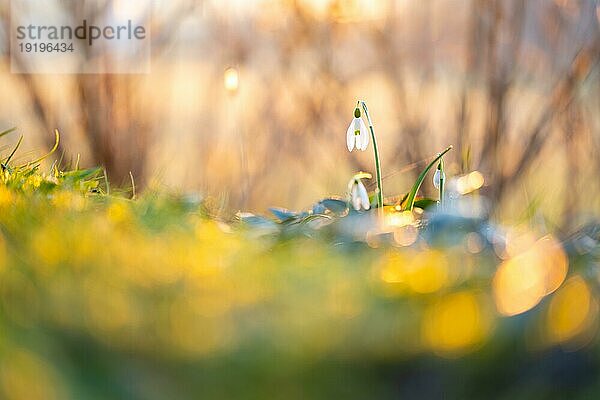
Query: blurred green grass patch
x,y
102,296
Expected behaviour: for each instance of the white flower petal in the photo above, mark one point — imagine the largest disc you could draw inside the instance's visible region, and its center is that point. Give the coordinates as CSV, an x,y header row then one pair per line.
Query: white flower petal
x,y
364,196
364,134
436,178
350,139
355,198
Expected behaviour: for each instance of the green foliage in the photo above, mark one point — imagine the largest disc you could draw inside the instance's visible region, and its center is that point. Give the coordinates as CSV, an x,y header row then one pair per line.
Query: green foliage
x,y
160,298
410,200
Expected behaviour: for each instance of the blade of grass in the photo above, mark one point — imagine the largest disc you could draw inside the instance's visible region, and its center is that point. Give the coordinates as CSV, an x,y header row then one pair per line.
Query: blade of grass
x,y
107,183
6,132
13,151
132,186
56,141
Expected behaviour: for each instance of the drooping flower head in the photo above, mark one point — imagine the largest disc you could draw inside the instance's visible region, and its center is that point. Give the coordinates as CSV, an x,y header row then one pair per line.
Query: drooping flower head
x,y
357,134
438,176
358,192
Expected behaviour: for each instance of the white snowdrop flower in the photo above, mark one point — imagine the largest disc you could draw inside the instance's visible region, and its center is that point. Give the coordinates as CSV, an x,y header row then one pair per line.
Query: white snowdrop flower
x,y
357,134
359,196
437,177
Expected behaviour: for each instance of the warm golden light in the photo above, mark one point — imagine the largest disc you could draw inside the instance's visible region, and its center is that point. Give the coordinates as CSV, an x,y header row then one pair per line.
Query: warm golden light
x,y
420,272
522,281
427,272
571,311
470,182
231,80
392,270
475,180
349,11
456,323
398,219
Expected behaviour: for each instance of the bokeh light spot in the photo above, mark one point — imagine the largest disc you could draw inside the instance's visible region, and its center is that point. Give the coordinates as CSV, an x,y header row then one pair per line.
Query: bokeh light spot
x,y
231,80
571,311
456,323
428,272
523,280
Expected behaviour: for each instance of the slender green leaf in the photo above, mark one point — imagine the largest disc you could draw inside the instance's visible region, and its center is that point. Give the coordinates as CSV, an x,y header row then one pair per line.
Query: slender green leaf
x,y
56,141
410,200
6,132
14,151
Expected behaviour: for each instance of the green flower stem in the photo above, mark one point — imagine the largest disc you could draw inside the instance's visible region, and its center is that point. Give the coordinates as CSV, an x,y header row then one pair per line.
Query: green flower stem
x,y
442,181
376,151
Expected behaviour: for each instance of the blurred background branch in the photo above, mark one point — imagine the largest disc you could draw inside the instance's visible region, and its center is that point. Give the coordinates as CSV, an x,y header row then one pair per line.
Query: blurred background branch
x,y
512,84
